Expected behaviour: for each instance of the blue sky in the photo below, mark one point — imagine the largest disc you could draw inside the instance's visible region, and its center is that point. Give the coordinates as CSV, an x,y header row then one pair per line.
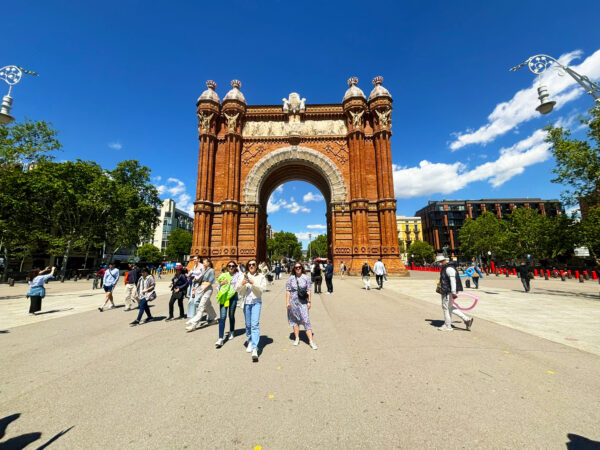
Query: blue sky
x,y
120,80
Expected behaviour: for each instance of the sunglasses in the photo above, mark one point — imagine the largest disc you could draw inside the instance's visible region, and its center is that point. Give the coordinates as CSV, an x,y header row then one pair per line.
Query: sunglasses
x,y
231,265
298,267
251,264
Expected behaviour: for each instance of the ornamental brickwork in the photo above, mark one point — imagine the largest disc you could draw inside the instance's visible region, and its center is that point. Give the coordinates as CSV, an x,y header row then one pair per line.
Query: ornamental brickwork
x,y
247,151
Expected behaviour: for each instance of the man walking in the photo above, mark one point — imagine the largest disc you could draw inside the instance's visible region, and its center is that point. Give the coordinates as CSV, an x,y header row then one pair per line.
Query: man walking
x,y
366,272
329,277
342,269
379,269
131,280
524,271
111,276
450,284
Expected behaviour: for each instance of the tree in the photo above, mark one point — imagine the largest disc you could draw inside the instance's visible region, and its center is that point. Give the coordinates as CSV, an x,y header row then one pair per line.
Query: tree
x,y
401,246
149,253
318,247
421,252
588,232
285,244
180,244
487,233
28,142
578,162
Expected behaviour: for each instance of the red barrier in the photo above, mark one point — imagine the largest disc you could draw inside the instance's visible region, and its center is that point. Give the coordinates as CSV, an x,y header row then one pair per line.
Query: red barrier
x,y
493,267
549,274
535,272
577,274
594,275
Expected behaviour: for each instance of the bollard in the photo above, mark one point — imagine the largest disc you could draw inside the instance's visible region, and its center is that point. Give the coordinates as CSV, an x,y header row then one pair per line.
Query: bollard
x,y
594,275
546,274
562,277
581,278
62,279
585,275
497,273
577,274
535,272
11,281
569,276
506,273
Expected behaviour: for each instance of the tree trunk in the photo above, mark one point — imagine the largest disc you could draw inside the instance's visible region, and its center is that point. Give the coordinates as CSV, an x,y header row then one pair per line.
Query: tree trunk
x,y
87,252
63,269
6,262
22,262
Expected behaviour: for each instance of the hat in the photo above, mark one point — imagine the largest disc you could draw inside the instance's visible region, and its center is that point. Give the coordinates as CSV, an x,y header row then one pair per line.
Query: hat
x,y
178,267
440,258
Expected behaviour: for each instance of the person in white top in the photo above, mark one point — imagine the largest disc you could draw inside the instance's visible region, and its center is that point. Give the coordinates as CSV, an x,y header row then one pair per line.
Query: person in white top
x,y
449,286
194,274
250,291
202,298
379,269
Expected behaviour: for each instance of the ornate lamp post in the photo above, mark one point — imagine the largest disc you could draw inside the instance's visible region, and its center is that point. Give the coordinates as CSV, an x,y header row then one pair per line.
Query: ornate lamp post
x,y
538,64
309,249
11,75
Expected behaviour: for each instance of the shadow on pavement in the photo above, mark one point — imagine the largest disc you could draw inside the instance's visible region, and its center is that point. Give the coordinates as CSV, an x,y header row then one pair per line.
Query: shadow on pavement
x,y
577,442
23,440
435,323
303,336
263,342
4,331
52,311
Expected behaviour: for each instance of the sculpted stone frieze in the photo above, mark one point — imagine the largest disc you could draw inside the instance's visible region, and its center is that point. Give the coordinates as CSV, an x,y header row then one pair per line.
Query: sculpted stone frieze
x,y
305,128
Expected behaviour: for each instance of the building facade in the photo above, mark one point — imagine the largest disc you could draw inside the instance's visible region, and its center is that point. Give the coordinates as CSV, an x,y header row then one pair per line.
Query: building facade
x,y
170,219
441,220
342,149
409,231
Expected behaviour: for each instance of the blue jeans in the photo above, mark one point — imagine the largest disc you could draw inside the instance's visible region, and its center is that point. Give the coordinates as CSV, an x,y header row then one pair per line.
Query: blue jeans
x,y
223,316
143,307
252,315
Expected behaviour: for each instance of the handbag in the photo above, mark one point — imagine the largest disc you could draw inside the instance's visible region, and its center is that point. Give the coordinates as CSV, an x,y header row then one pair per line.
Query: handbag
x,y
302,293
438,288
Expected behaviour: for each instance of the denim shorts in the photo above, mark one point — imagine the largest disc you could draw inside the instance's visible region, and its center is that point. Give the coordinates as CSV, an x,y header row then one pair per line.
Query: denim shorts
x,y
109,288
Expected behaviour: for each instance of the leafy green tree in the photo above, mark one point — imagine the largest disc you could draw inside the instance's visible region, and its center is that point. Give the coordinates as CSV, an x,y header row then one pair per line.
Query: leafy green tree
x,y
318,247
134,212
149,253
421,252
578,162
487,233
285,244
180,244
27,142
401,246
588,232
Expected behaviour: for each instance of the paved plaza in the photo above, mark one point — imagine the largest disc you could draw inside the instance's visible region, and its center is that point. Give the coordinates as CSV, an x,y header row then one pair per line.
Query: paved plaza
x,y
526,376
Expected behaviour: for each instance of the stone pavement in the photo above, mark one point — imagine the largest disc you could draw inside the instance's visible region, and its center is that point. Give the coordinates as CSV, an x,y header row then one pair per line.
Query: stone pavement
x,y
383,377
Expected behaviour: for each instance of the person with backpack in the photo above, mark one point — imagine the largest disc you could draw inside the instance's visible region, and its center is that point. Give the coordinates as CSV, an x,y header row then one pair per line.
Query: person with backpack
x,y
131,278
145,293
366,272
449,286
317,277
109,281
178,285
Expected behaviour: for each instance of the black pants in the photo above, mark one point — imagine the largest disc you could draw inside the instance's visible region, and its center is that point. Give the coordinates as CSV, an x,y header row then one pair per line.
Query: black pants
x,y
379,279
329,283
525,281
318,281
476,282
179,297
35,303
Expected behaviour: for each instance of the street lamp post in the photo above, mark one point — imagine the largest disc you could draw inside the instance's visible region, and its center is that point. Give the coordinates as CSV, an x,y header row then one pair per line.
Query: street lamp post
x,y
309,249
538,64
11,75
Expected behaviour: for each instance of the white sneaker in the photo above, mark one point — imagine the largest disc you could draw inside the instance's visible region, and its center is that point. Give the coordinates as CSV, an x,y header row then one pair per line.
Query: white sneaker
x,y
297,341
444,328
255,355
191,327
219,343
313,345
249,348
231,336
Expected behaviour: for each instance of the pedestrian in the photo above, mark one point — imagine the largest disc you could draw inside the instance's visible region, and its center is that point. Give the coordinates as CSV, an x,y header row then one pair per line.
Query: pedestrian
x,y
159,271
342,269
298,300
317,277
525,274
109,281
250,290
476,274
145,293
202,297
37,291
277,271
195,272
178,286
449,286
131,278
100,274
228,299
329,277
380,272
366,272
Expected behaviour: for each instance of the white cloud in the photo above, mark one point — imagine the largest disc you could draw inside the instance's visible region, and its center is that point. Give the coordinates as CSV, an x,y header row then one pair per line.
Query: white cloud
x,y
303,235
316,227
295,208
115,145
442,178
176,189
279,190
520,108
274,205
310,197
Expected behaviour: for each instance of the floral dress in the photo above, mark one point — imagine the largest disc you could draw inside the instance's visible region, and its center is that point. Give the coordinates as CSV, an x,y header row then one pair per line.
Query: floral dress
x,y
298,312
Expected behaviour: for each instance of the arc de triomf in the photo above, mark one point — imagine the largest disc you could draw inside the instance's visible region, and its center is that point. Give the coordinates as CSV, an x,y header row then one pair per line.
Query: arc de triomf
x,y
247,151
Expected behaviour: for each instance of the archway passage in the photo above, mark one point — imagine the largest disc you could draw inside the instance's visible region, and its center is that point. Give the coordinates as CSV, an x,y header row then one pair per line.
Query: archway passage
x,y
343,150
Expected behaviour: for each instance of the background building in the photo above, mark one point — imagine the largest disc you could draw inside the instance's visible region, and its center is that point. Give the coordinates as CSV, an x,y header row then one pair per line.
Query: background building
x,y
170,219
270,232
442,219
409,231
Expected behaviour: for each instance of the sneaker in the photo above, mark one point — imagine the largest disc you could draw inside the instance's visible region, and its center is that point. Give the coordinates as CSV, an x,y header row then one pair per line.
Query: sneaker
x,y
468,324
313,345
188,322
168,319
219,343
296,342
181,317
127,309
134,323
100,309
111,306
191,327
444,328
249,348
231,336
148,319
255,355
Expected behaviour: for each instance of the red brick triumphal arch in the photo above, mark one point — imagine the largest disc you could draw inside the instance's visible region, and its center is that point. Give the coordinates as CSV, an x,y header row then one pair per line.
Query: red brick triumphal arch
x,y
246,151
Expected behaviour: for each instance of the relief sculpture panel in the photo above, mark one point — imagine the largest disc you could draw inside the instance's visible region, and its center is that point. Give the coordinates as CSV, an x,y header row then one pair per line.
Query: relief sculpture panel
x,y
306,128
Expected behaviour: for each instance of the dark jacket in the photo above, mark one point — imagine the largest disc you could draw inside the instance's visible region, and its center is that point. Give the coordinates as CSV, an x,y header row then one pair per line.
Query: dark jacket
x,y
329,271
134,276
317,270
179,282
445,280
524,271
366,270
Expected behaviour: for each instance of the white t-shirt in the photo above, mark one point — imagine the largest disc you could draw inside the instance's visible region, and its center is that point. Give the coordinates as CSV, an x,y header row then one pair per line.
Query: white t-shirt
x,y
379,268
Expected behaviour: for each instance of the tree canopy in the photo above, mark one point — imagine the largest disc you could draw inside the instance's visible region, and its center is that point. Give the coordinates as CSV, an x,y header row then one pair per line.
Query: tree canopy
x,y
421,252
283,245
149,253
318,247
180,244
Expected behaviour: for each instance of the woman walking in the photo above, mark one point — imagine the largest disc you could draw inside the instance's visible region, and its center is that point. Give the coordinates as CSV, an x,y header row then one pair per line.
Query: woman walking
x,y
317,277
196,271
202,297
146,293
250,290
228,299
298,299
37,291
178,285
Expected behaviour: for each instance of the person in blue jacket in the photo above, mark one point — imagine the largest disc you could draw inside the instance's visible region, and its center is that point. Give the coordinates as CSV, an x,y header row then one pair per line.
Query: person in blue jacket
x,y
37,291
